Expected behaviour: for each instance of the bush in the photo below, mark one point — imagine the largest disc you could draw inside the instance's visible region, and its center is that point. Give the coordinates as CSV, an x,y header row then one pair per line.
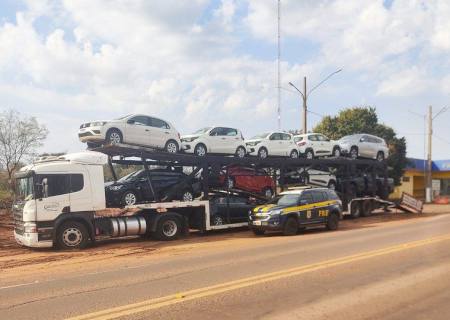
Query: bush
x,y
6,199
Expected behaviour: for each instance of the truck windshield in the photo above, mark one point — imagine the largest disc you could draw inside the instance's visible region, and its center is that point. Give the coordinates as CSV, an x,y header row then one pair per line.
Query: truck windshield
x,y
24,188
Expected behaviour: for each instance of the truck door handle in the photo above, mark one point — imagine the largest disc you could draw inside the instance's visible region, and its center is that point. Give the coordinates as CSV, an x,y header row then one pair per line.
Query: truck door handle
x,y
147,130
223,138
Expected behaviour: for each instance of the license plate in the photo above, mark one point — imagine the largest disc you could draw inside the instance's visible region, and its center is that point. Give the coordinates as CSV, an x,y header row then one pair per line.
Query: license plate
x,y
256,223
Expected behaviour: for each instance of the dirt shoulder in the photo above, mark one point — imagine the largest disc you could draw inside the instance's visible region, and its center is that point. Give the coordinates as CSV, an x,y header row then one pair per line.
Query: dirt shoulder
x,y
15,260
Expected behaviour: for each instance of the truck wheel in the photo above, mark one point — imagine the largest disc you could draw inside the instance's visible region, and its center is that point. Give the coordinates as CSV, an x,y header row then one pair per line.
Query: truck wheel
x,y
332,221
366,209
114,136
168,228
258,232
72,235
355,209
290,227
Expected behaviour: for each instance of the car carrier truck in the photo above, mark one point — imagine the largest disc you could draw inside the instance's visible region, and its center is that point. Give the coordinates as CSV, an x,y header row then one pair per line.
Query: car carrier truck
x,y
61,200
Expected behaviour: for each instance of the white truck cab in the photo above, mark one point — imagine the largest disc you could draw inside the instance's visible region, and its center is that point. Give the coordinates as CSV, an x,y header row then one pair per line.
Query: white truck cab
x,y
53,187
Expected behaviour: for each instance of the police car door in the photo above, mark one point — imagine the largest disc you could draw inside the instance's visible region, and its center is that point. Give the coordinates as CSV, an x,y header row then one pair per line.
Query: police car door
x,y
320,209
307,213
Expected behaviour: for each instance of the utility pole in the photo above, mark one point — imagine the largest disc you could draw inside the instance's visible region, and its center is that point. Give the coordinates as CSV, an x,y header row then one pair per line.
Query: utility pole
x,y
305,111
278,69
428,192
306,94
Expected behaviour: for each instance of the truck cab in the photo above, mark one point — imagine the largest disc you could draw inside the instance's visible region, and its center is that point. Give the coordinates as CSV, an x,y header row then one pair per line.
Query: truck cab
x,y
51,189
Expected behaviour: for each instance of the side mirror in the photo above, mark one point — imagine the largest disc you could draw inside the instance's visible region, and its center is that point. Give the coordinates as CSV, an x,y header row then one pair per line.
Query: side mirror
x,y
131,121
39,190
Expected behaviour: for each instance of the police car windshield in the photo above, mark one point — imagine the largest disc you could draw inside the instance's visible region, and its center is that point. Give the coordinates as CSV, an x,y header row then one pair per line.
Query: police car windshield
x,y
287,200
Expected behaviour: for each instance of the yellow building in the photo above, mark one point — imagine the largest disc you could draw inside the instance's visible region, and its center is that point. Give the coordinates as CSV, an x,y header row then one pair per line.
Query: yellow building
x,y
413,181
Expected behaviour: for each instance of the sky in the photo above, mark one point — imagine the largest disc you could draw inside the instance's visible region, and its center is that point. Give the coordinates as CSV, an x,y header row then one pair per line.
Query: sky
x,y
198,63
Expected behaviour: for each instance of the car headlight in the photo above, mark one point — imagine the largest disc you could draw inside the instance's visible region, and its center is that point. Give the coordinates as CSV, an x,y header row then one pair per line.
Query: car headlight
x,y
275,213
189,139
254,143
98,124
116,188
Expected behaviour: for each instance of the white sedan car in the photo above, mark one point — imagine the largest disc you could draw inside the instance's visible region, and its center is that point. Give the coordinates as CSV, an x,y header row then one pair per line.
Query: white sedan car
x,y
272,144
134,129
218,140
313,145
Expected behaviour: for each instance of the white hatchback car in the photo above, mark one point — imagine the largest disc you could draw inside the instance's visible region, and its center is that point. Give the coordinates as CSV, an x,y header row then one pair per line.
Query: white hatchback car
x,y
272,144
219,140
316,145
134,129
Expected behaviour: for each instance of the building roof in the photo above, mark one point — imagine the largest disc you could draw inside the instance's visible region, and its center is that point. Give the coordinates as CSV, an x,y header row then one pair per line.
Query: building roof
x,y
420,165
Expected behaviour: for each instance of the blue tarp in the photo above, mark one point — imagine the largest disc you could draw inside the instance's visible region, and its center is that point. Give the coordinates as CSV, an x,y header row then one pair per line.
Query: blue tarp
x,y
420,164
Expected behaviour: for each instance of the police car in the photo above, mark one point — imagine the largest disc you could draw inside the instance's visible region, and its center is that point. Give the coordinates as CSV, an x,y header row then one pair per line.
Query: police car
x,y
297,209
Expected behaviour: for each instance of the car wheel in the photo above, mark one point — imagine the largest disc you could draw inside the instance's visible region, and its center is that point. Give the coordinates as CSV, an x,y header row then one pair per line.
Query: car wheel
x,y
268,192
290,227
171,146
129,198
217,221
354,153
294,154
336,152
72,235
168,228
332,185
258,232
240,152
380,156
114,136
262,153
332,221
200,150
187,195
309,154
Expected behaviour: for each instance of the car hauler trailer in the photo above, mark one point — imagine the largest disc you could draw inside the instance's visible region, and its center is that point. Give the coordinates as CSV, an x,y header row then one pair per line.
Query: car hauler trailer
x,y
61,201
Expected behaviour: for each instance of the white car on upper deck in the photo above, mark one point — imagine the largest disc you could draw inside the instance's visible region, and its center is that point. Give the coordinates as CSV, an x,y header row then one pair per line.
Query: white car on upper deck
x,y
217,140
134,129
313,145
273,143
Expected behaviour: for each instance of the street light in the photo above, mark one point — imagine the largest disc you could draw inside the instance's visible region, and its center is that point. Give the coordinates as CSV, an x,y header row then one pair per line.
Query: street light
x,y
306,94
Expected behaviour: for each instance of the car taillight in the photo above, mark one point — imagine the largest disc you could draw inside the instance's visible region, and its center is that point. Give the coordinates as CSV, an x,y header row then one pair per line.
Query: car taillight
x,y
301,143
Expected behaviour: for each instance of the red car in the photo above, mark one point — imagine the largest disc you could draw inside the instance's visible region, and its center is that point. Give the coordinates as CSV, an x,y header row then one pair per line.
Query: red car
x,y
248,179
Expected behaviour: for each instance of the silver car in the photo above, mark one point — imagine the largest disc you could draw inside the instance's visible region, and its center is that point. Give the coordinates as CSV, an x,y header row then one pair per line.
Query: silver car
x,y
364,146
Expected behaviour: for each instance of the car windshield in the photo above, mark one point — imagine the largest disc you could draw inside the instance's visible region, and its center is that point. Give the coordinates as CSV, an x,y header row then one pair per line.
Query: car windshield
x,y
260,136
130,176
287,200
124,117
24,188
202,130
297,139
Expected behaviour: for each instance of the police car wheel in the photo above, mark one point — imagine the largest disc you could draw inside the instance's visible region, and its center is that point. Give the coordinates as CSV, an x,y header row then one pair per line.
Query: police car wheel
x,y
290,227
333,221
258,232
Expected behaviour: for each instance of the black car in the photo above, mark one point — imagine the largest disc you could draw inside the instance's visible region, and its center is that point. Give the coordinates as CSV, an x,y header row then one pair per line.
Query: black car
x,y
231,209
135,188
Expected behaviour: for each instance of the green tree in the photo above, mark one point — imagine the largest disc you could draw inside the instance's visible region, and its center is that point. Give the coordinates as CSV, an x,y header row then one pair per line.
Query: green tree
x,y
365,120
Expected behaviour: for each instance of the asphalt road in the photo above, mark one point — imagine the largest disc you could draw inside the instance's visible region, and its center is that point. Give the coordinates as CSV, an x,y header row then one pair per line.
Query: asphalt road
x,y
391,271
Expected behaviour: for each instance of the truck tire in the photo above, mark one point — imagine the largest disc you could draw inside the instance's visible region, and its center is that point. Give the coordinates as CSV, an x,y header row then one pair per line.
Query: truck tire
x,y
355,209
258,232
332,221
290,227
168,228
366,208
72,235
